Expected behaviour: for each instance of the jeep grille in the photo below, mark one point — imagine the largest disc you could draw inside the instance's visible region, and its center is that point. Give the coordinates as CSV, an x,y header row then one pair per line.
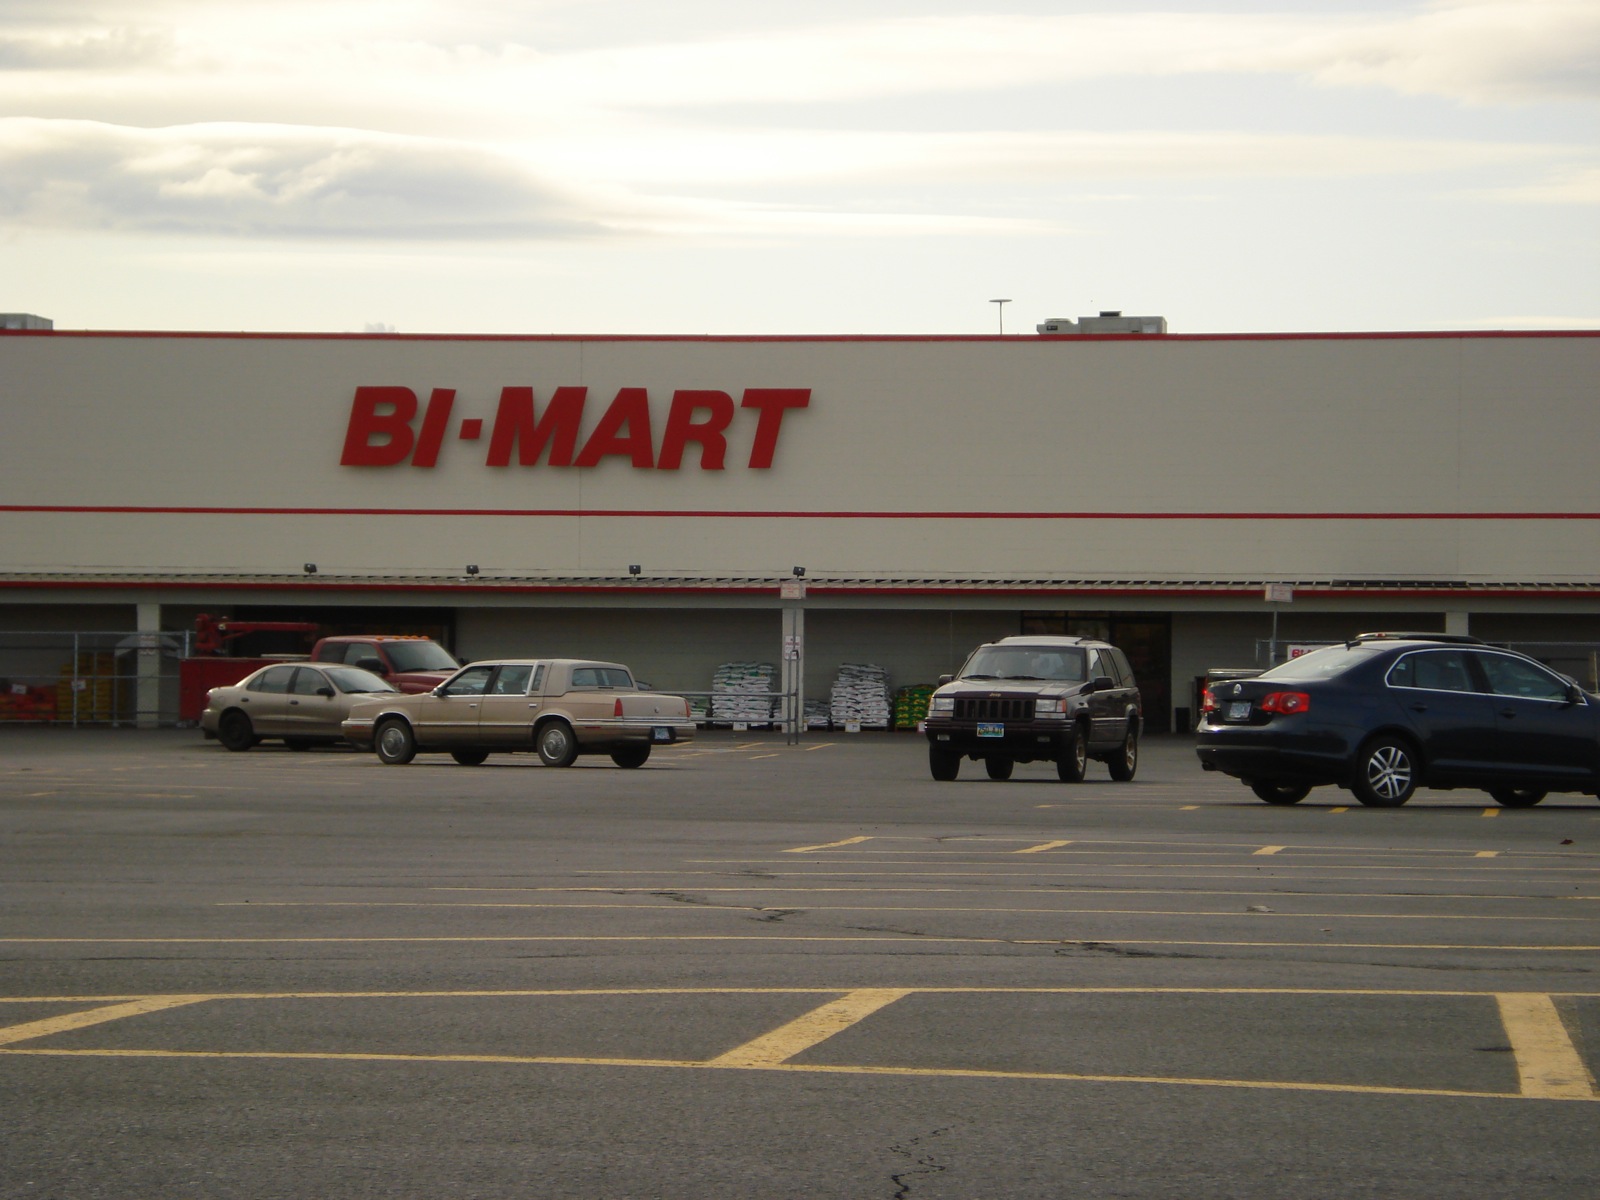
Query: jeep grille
x,y
989,708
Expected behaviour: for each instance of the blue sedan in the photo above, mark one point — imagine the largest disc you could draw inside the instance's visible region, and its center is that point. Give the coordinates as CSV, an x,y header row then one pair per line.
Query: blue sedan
x,y
1384,714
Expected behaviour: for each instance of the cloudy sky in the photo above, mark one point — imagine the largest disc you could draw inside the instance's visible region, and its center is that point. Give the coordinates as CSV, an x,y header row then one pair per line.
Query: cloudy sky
x,y
837,166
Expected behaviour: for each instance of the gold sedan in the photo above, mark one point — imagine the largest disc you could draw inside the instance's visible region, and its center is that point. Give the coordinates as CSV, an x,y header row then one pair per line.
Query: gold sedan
x,y
557,707
302,703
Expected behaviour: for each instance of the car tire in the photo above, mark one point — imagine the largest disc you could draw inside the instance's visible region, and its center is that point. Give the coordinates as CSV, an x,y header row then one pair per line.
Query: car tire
x,y
1386,774
470,758
998,768
1276,791
394,742
1517,797
944,765
235,732
1126,761
631,756
556,744
1070,767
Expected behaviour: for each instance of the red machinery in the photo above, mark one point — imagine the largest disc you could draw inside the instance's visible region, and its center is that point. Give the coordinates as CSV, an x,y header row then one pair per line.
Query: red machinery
x,y
210,666
212,634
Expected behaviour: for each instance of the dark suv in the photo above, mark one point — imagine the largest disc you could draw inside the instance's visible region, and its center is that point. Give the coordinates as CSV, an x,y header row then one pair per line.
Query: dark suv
x,y
1025,699
1385,713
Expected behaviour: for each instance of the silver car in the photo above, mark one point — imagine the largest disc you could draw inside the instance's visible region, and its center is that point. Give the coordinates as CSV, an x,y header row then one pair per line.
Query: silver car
x,y
302,703
557,707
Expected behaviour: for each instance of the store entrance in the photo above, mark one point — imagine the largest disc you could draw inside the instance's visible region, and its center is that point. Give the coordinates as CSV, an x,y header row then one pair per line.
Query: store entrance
x,y
1146,638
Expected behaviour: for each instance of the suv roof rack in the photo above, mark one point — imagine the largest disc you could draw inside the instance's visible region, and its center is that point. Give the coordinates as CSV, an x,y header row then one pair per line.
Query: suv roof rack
x,y
1460,639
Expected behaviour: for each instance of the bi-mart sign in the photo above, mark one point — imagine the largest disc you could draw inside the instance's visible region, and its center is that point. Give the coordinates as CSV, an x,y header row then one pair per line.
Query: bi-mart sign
x,y
390,426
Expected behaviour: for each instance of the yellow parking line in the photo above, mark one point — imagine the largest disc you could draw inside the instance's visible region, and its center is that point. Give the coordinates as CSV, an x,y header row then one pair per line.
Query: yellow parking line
x,y
1487,854
733,907
1271,849
827,845
816,1026
1338,808
802,889
790,939
1041,848
1547,1062
1491,812
93,1016
821,1069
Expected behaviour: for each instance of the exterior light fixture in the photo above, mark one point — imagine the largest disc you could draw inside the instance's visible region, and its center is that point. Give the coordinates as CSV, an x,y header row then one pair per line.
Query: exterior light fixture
x,y
799,572
633,568
311,568
472,568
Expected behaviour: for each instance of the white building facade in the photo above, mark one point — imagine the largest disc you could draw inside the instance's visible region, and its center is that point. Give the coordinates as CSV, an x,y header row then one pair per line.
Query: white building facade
x,y
645,499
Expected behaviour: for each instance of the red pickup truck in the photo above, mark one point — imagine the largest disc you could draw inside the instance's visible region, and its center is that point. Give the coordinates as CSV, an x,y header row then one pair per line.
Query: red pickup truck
x,y
412,664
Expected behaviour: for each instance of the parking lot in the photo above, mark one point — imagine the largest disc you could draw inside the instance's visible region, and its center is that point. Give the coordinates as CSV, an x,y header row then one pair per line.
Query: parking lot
x,y
755,968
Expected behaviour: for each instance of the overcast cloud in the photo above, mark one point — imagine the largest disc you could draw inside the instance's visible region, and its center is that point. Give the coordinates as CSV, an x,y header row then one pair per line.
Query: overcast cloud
x,y
1193,151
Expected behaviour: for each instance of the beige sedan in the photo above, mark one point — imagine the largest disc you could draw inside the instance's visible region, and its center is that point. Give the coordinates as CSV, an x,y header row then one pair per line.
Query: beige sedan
x,y
302,703
558,707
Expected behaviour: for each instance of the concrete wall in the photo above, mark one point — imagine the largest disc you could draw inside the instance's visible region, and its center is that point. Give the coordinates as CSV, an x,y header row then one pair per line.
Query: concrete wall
x,y
1456,457
680,649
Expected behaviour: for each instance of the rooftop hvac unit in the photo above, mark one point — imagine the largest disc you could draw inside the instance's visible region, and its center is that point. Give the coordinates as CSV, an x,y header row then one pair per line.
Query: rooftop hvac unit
x,y
1106,322
25,321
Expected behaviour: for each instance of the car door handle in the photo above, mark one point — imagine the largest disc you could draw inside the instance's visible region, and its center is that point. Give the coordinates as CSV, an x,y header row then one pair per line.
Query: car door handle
x,y
1419,708
1508,712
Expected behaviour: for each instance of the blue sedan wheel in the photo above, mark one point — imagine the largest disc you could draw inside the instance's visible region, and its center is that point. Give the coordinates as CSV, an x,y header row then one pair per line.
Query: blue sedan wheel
x,y
1386,773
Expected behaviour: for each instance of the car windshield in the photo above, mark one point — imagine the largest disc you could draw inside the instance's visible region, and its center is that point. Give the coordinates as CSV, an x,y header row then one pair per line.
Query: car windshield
x,y
1060,663
1324,663
354,679
420,656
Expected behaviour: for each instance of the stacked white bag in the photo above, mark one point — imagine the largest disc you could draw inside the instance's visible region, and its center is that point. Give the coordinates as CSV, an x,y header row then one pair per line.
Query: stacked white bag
x,y
738,693
860,693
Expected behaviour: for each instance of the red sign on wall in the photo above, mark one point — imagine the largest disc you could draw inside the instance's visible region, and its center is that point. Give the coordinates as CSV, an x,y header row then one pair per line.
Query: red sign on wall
x,y
384,430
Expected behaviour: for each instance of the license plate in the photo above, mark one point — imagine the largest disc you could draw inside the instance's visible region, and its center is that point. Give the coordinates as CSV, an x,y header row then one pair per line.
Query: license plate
x,y
991,729
1238,710
661,733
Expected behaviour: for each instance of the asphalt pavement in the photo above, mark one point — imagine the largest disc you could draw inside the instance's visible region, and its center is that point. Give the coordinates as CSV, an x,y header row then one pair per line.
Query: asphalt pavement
x,y
753,968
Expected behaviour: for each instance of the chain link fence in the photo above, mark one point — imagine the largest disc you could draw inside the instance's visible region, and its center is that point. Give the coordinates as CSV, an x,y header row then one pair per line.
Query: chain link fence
x,y
105,677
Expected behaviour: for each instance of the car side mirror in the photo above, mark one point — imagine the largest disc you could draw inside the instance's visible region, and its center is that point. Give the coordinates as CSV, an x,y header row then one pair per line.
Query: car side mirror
x,y
1574,694
375,665
944,679
325,692
1100,683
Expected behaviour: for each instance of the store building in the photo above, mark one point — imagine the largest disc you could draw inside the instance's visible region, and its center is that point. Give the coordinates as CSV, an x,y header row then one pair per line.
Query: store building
x,y
657,499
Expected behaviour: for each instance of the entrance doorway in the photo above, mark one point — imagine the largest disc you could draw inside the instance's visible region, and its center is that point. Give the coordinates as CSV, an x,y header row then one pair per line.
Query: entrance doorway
x,y
1146,638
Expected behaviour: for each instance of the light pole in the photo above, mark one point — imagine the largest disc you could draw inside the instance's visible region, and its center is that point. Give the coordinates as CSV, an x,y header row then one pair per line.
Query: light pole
x,y
1000,307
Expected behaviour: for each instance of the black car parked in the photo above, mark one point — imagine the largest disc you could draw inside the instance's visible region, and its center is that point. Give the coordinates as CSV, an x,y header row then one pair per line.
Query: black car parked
x,y
1024,699
1387,713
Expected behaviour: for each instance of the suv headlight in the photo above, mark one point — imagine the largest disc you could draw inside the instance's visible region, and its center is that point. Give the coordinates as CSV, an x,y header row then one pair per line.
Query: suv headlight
x,y
1050,709
942,704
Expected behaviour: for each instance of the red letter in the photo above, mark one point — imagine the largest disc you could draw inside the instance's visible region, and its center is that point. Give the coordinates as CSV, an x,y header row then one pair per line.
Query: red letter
x,y
772,402
514,425
682,428
433,426
631,409
366,422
